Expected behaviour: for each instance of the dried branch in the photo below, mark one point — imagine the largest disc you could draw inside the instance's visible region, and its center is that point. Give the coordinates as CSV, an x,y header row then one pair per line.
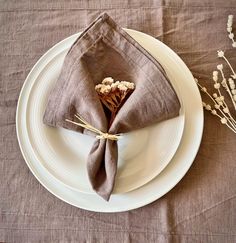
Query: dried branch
x,y
220,107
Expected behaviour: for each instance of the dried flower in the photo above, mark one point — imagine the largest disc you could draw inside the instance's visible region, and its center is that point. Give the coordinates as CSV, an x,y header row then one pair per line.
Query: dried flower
x,y
223,82
122,87
231,36
220,66
217,85
220,53
229,30
213,112
113,94
215,73
223,120
215,76
215,95
222,98
108,81
226,110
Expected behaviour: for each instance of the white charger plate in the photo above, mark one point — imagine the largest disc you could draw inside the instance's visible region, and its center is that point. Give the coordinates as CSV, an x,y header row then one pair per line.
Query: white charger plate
x,y
143,154
167,179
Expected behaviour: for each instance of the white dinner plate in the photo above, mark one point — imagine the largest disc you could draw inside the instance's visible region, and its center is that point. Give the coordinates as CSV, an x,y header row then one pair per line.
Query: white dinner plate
x,y
167,179
143,154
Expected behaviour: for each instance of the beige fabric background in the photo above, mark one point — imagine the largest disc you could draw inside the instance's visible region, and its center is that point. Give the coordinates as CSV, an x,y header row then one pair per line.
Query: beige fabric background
x,y
201,208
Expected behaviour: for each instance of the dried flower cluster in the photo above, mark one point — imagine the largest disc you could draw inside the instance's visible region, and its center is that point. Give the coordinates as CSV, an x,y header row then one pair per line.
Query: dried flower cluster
x,y
229,29
220,107
113,93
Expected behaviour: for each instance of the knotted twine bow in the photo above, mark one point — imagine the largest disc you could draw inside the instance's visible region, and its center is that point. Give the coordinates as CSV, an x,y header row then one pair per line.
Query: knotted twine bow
x,y
100,134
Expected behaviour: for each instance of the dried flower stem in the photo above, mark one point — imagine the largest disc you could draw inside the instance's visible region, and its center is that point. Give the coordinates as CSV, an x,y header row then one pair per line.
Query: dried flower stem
x,y
227,61
99,134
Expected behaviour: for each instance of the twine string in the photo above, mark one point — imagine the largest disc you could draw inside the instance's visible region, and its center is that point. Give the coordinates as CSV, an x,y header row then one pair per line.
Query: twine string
x,y
100,134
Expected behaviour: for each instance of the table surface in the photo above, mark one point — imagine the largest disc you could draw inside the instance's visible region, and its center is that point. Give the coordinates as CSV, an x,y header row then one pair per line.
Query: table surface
x,y
201,208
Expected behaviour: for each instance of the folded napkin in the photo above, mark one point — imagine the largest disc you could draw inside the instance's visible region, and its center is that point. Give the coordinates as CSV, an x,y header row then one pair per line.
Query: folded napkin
x,y
105,50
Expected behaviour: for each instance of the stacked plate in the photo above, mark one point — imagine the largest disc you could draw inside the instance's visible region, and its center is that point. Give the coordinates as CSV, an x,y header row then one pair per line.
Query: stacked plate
x,y
151,160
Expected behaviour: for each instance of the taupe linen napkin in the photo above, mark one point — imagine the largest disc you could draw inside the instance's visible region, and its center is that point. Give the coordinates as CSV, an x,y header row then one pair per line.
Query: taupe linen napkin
x,y
105,49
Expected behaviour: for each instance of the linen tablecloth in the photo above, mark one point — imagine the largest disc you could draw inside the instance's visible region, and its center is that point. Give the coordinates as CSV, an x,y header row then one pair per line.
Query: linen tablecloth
x,y
201,208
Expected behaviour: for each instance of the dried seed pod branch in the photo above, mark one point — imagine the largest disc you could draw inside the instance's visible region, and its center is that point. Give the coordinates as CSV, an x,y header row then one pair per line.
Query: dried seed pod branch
x,y
223,120
221,109
230,88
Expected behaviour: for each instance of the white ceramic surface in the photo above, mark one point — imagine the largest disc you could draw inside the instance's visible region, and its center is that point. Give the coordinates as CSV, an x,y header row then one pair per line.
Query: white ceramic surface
x,y
167,179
